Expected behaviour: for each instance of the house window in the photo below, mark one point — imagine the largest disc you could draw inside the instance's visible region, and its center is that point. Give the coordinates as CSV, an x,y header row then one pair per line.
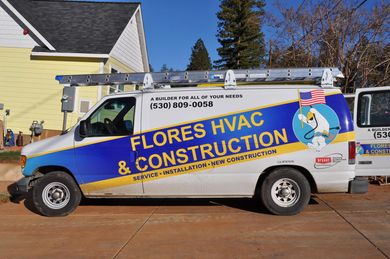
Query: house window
x,y
84,106
116,88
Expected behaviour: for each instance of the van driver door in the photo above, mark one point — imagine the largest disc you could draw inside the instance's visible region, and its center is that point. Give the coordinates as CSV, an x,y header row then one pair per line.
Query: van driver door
x,y
104,158
372,127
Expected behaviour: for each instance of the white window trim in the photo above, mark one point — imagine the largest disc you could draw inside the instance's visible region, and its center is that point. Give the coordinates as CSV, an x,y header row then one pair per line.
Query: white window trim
x,y
72,55
111,67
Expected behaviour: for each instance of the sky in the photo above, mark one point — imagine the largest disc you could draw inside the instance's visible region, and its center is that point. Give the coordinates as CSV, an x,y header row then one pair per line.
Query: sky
x,y
173,26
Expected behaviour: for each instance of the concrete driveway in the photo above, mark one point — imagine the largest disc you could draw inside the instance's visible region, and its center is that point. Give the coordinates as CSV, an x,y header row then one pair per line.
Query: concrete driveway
x,y
332,226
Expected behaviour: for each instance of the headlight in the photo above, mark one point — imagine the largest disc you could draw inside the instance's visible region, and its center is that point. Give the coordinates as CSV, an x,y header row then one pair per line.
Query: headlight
x,y
23,160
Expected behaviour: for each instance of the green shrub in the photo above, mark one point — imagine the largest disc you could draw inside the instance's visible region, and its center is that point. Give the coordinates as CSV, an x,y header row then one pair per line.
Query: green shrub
x,y
10,156
4,197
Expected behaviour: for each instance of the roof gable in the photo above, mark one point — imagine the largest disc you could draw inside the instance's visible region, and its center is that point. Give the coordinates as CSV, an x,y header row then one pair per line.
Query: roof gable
x,y
77,27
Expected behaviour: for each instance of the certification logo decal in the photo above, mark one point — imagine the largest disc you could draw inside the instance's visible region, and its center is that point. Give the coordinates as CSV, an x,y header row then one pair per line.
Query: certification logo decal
x,y
328,161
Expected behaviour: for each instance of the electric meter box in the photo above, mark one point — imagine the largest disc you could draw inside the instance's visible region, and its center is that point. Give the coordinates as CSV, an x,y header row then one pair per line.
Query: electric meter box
x,y
68,99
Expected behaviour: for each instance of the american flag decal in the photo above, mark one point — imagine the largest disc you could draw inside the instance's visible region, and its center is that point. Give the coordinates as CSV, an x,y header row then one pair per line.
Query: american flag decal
x,y
312,97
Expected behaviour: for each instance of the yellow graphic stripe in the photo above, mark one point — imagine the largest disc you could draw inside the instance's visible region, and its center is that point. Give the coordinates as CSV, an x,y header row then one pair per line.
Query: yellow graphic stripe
x,y
344,137
376,154
206,165
131,179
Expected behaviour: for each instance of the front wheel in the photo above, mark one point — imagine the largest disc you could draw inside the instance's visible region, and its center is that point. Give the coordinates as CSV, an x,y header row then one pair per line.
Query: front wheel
x,y
285,191
55,194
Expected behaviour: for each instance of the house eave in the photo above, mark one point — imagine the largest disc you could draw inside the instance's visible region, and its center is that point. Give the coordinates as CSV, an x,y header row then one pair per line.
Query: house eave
x,y
69,55
142,36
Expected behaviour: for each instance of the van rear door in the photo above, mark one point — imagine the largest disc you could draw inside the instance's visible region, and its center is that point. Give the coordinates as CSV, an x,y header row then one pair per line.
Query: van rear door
x,y
372,127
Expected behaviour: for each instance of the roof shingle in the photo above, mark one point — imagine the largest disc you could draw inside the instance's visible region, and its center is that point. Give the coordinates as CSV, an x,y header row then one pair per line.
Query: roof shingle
x,y
77,27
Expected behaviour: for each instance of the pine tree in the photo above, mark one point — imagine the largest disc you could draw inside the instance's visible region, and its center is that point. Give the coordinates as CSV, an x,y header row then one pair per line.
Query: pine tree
x,y
164,68
239,33
151,69
200,59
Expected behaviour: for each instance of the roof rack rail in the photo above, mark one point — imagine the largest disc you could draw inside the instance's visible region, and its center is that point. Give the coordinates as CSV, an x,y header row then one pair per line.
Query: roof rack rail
x,y
323,77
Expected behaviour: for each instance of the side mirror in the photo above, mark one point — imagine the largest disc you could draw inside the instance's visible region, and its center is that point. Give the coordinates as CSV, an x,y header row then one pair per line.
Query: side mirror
x,y
83,129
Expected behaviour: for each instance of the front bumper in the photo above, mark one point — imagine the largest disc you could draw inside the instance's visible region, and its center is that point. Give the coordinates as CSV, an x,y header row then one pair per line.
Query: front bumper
x,y
20,188
358,185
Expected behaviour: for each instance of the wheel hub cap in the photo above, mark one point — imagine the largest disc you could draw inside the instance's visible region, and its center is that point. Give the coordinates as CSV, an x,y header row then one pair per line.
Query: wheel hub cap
x,y
285,192
56,195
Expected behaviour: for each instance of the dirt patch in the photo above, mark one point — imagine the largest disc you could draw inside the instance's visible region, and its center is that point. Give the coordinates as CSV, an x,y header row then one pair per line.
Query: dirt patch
x,y
14,162
10,172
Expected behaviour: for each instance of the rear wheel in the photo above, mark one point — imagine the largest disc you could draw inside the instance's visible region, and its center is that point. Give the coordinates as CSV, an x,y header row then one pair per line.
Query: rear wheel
x,y
285,191
55,194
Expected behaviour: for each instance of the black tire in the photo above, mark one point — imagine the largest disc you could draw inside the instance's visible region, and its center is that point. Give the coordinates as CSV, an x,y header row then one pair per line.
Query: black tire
x,y
55,194
285,191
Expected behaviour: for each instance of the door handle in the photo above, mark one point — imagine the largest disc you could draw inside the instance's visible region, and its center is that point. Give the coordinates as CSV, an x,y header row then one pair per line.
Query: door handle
x,y
365,162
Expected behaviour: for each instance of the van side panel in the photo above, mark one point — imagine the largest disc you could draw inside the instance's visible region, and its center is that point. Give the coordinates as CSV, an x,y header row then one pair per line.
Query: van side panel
x,y
220,134
231,136
332,171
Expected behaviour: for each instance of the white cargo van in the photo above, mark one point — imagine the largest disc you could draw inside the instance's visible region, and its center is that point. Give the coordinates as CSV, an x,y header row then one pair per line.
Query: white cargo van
x,y
225,134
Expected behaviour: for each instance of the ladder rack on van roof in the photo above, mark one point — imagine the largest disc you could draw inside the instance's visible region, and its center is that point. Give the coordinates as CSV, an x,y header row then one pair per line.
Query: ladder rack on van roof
x,y
323,77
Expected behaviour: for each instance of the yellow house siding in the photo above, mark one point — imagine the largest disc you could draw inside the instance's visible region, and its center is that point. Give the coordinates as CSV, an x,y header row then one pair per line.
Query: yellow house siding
x,y
114,63
29,90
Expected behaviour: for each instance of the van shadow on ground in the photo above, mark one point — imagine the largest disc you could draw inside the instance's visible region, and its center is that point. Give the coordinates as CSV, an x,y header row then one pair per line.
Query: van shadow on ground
x,y
247,204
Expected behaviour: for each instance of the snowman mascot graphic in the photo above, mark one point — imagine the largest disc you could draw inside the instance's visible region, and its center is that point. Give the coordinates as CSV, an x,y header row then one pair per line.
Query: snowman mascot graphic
x,y
320,127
